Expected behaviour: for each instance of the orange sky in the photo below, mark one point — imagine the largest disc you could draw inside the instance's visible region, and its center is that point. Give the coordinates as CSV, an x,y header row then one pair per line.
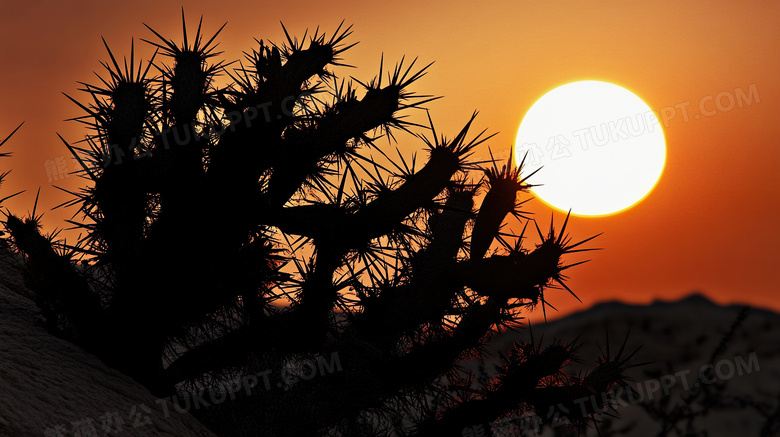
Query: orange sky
x,y
710,223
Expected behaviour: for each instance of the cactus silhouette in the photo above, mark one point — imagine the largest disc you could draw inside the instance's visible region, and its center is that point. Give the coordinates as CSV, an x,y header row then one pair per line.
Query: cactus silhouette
x,y
230,230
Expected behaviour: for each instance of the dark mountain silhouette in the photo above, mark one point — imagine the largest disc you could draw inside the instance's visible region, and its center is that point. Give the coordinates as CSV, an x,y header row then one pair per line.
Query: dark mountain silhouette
x,y
679,337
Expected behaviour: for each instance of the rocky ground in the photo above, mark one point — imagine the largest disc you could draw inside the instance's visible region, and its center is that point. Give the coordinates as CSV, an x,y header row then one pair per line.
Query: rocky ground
x,y
51,388
678,340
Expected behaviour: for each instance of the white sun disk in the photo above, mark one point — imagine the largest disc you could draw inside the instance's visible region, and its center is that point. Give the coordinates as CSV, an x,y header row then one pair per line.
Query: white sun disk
x,y
601,149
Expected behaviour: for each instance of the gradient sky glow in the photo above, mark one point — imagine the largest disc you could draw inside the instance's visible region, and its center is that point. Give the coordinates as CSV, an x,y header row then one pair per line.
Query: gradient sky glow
x,y
711,222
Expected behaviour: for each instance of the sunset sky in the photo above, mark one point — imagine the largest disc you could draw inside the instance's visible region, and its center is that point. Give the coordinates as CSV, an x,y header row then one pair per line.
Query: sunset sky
x,y
711,222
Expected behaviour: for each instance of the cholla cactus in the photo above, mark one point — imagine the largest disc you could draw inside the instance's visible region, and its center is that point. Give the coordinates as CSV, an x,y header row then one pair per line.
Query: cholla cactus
x,y
236,229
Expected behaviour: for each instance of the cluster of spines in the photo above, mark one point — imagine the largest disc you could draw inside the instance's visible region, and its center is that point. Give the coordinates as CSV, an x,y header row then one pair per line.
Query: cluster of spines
x,y
425,295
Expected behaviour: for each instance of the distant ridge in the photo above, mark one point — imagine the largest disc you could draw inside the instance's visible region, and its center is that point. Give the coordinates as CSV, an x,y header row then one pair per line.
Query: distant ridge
x,y
670,337
695,298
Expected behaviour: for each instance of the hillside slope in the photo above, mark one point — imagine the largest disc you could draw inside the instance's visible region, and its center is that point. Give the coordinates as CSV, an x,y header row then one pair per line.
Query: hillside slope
x,y
51,388
678,339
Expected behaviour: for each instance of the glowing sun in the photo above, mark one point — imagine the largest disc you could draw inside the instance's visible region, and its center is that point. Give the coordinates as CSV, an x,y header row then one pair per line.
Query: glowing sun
x,y
600,148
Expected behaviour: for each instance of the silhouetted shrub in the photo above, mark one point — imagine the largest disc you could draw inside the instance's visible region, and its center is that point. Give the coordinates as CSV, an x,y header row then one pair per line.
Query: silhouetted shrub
x,y
229,230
